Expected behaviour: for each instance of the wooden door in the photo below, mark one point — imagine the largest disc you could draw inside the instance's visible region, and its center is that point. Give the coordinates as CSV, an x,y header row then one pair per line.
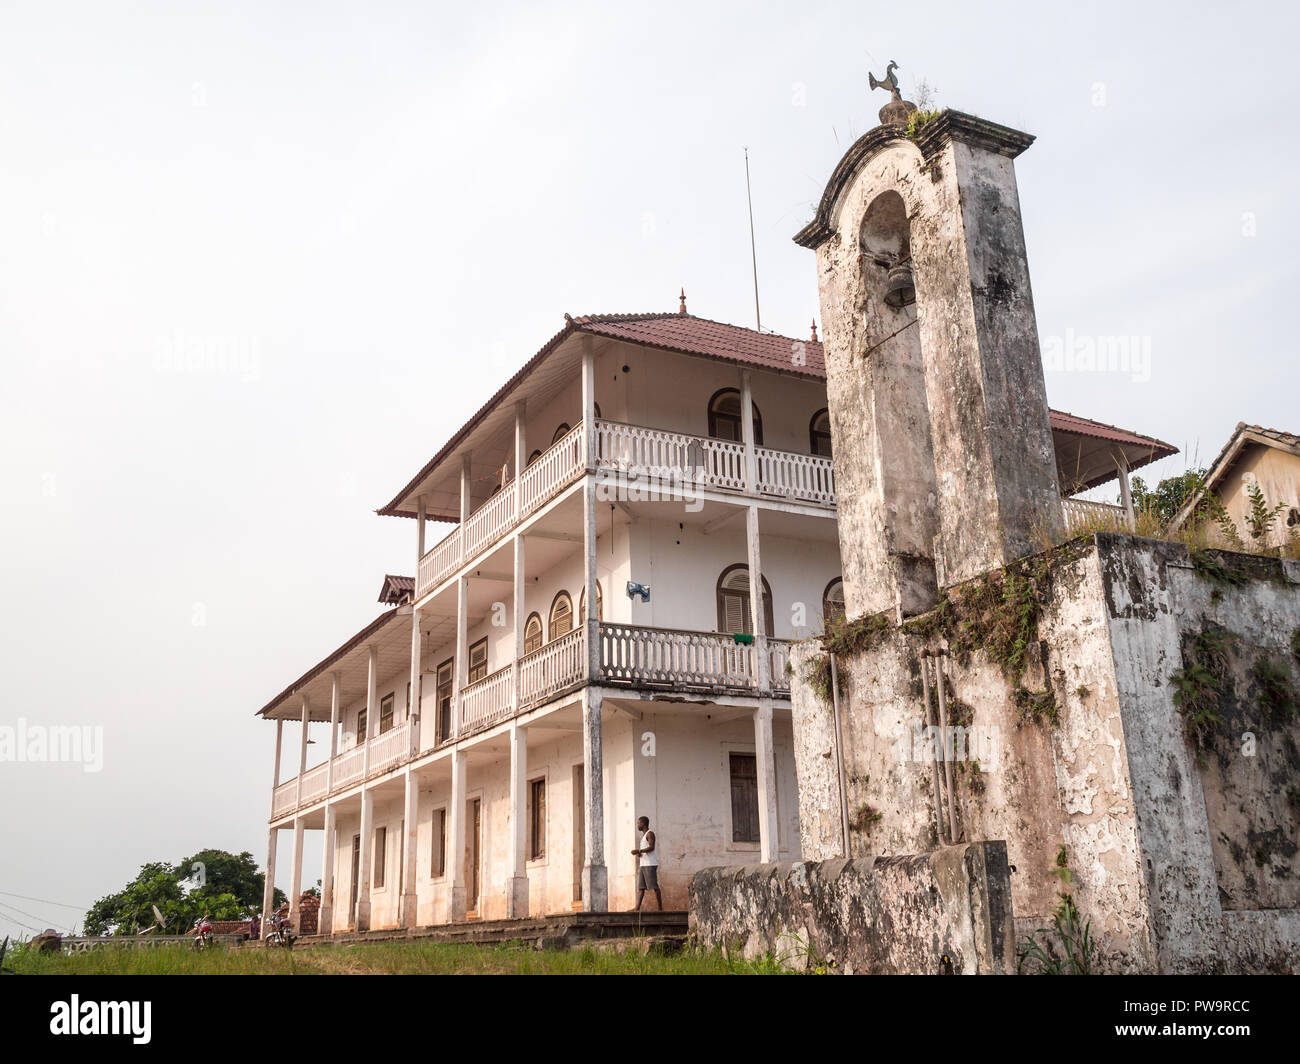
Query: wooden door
x,y
473,846
579,832
356,873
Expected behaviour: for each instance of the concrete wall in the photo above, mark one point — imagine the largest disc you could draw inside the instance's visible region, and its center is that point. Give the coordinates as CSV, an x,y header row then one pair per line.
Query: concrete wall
x,y
941,913
1159,847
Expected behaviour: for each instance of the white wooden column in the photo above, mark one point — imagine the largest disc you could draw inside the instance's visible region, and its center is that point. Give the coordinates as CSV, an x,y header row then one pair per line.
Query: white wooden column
x,y
421,518
460,670
517,883
464,493
410,829
302,751
325,924
765,756
1125,491
595,881
295,882
589,621
417,674
456,838
521,454
519,611
268,887
275,775
757,600
747,433
372,706
362,916
335,709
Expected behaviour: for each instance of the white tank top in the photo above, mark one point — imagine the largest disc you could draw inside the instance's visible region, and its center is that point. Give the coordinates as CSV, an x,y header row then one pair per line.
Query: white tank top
x,y
651,858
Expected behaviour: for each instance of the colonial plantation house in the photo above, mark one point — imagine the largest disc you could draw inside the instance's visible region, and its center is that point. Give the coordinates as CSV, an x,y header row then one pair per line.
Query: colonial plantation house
x,y
641,521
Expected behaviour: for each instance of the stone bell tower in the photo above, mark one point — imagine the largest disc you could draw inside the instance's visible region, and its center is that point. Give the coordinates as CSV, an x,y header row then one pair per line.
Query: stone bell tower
x,y
939,419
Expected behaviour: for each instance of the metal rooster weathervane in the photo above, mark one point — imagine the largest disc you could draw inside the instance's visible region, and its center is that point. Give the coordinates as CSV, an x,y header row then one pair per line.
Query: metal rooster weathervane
x,y
897,111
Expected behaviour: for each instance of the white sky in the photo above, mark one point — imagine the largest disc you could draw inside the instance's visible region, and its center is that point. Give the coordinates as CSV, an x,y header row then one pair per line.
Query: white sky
x,y
392,205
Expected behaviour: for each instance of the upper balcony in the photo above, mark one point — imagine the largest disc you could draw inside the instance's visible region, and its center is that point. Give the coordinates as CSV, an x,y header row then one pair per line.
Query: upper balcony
x,y
673,464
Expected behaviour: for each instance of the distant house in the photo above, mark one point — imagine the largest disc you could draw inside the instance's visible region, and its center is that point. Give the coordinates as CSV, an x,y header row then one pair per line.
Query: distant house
x,y
1254,455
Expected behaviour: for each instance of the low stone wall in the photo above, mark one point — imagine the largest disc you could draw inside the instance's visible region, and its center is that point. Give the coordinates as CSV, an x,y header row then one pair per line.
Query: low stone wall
x,y
944,912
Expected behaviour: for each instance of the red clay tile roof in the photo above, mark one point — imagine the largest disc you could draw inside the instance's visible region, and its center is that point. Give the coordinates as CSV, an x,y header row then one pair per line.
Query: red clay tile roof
x,y
712,339
688,334
1082,426
397,589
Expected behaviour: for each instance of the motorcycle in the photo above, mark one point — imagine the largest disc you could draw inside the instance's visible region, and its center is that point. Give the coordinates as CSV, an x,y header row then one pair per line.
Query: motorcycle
x,y
202,932
281,932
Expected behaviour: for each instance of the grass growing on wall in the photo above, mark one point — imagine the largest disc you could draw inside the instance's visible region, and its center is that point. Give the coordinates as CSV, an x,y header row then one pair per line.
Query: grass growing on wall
x,y
387,958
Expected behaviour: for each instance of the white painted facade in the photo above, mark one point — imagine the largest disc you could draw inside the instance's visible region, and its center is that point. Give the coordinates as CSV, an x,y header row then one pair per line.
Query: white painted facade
x,y
636,712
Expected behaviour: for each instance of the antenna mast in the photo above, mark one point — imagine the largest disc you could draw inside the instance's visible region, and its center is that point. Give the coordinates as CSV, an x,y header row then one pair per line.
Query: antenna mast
x,y
753,254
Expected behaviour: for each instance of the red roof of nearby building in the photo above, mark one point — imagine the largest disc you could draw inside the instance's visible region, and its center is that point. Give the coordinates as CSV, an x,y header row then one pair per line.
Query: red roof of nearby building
x,y
1082,426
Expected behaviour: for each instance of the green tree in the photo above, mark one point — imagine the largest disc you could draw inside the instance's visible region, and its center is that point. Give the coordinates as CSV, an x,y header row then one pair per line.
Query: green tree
x,y
1167,497
231,889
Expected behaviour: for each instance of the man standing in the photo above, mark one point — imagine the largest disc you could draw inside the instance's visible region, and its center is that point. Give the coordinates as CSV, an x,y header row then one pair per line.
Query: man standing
x,y
647,872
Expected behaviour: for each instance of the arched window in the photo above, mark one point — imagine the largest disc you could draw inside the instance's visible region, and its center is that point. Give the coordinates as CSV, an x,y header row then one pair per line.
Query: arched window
x,y
532,633
561,615
560,433
833,602
600,604
534,456
734,612
725,420
819,433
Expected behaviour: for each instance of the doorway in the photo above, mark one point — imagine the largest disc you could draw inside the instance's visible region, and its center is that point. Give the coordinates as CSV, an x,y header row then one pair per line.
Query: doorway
x,y
579,833
473,848
356,872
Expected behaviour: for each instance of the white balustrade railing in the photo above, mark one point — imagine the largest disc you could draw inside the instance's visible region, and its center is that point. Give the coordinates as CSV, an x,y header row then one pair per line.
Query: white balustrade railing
x,y
284,798
390,748
490,521
555,469
313,784
1083,513
487,701
439,563
348,767
559,664
633,654
778,651
669,460
807,477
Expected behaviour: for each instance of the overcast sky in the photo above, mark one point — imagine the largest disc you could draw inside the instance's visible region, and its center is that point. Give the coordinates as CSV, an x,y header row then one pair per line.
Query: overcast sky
x,y
380,210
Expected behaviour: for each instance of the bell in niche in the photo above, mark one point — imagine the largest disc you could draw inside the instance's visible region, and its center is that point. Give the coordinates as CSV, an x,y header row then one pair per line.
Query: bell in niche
x,y
900,291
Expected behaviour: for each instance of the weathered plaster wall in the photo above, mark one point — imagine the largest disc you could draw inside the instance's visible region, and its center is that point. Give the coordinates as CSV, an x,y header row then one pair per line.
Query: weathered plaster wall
x,y
1159,847
944,912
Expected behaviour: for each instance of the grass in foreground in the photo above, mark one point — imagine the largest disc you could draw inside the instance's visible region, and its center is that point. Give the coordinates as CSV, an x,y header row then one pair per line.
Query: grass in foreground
x,y
386,958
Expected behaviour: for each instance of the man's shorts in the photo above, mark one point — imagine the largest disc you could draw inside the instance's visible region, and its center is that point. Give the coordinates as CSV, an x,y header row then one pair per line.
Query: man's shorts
x,y
647,877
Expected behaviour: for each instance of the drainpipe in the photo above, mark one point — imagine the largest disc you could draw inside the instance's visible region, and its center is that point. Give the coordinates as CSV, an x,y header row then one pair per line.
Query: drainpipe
x,y
839,757
947,765
934,763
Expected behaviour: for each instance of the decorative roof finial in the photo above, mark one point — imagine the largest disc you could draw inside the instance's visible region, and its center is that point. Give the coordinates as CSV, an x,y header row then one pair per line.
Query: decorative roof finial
x,y
682,308
814,331
897,111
